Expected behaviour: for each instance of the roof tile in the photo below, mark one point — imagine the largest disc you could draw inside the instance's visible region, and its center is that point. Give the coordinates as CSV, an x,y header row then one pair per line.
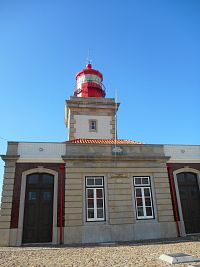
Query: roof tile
x,y
103,141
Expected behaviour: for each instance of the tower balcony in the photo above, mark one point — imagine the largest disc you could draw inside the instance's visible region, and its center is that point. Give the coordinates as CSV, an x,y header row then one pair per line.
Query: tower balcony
x,y
90,89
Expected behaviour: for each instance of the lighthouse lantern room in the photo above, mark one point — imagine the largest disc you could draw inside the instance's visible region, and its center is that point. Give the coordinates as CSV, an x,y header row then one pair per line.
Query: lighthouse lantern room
x,y
89,83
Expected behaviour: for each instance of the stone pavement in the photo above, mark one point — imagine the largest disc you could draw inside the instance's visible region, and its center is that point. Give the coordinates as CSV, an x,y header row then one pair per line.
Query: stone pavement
x,y
119,255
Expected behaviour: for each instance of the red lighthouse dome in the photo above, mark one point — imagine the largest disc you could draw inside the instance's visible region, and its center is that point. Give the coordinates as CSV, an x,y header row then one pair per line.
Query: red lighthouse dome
x,y
89,83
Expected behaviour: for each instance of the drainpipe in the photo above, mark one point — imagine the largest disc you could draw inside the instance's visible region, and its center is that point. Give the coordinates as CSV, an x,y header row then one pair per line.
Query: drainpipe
x,y
173,195
62,169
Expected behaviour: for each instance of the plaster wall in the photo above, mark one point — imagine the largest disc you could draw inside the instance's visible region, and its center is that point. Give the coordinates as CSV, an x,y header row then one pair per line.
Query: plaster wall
x,y
104,127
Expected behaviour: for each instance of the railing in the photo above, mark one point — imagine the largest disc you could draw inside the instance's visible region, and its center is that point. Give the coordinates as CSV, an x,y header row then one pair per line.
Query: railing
x,y
90,84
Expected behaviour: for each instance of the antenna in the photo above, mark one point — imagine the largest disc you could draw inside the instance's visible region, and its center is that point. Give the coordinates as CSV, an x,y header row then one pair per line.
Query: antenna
x,y
88,60
115,118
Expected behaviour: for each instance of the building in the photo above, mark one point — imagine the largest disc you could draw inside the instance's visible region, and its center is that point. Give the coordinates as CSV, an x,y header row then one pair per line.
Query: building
x,y
95,188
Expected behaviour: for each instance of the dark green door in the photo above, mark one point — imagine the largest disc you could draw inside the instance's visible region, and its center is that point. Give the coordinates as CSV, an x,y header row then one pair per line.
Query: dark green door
x,y
190,201
38,212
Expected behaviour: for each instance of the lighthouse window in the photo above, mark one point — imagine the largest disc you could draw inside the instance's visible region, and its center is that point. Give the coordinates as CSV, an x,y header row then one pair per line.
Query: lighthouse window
x,y
95,207
92,125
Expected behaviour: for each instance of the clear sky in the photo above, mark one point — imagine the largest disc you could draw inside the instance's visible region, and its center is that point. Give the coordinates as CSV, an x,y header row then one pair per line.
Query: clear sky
x,y
147,50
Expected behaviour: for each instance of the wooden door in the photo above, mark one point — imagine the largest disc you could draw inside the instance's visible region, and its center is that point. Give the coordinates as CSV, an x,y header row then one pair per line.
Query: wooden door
x,y
38,211
190,201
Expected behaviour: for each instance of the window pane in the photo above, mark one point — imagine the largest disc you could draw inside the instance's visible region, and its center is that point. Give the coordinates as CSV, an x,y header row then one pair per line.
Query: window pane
x,y
90,213
99,193
90,203
90,193
138,192
33,178
99,203
146,192
147,201
137,180
140,212
139,201
32,195
46,196
145,180
99,213
98,181
47,179
90,181
149,211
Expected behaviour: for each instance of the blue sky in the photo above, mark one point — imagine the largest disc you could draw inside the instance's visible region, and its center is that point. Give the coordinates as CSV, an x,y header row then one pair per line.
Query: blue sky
x,y
147,50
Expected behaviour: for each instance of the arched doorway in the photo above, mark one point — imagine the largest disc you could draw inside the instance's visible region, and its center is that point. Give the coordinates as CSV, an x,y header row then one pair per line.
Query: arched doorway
x,y
189,193
38,208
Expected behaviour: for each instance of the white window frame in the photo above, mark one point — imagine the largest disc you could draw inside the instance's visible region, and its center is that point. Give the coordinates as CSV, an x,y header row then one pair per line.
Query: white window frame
x,y
142,187
95,188
91,129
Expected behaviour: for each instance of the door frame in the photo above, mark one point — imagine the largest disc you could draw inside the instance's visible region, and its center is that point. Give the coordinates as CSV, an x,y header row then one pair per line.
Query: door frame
x,y
22,203
175,173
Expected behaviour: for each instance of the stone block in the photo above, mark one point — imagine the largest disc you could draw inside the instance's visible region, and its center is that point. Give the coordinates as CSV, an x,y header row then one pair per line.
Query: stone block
x,y
69,192
5,205
175,258
164,207
160,185
119,186
5,212
165,213
7,193
5,218
166,196
121,208
73,210
74,204
7,187
122,214
122,232
119,203
119,191
120,197
73,198
121,221
73,181
9,181
9,175
166,218
73,216
73,222
96,233
4,237
74,186
162,190
4,225
73,235
6,199
163,201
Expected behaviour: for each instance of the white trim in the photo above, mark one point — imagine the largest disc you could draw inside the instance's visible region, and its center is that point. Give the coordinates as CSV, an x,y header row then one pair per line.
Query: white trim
x,y
153,198
186,160
185,169
37,159
22,203
106,214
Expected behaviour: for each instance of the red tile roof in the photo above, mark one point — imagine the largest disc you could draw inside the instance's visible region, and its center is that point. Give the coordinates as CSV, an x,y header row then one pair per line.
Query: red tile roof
x,y
103,141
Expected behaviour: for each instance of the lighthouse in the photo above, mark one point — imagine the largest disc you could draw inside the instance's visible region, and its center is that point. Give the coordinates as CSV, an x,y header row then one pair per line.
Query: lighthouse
x,y
88,113
89,83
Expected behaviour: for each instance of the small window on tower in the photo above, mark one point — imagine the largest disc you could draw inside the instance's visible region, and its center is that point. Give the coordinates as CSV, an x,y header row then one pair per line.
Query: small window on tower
x,y
93,125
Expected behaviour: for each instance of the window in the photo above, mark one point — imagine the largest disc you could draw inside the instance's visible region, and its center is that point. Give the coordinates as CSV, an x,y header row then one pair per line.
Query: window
x,y
143,197
95,210
93,125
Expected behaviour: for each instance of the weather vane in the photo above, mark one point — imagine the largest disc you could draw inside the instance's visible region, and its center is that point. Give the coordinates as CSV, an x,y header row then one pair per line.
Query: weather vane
x,y
89,61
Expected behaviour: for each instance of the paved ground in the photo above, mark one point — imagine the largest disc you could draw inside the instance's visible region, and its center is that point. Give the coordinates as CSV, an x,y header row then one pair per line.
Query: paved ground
x,y
121,255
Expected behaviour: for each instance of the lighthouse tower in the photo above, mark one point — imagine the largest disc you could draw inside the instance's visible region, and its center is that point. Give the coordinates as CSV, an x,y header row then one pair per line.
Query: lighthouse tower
x,y
88,114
